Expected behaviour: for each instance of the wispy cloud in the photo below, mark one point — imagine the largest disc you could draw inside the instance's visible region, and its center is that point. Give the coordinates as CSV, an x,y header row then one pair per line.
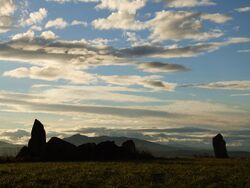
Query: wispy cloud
x,y
73,1
243,9
230,85
190,3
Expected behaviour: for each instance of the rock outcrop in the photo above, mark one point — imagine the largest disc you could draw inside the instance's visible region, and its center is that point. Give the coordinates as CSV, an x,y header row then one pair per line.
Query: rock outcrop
x,y
219,145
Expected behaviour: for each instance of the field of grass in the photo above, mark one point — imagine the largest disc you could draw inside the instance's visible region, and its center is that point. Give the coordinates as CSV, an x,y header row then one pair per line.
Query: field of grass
x,y
158,173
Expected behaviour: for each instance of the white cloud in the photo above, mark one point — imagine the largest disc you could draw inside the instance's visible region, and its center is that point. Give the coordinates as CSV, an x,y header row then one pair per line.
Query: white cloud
x,y
48,35
179,25
189,3
123,17
36,28
241,95
152,82
243,9
122,5
77,22
217,18
52,74
244,51
74,1
229,85
82,94
119,20
7,10
35,17
58,23
29,35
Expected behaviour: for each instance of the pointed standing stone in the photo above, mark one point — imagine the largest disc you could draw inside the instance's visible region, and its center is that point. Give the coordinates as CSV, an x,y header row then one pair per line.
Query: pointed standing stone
x,y
37,141
219,144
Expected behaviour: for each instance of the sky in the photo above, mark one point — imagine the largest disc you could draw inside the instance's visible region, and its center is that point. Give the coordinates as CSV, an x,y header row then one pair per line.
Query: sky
x,y
168,71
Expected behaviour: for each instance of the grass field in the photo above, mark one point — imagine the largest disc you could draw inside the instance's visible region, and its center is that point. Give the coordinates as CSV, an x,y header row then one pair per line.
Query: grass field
x,y
159,173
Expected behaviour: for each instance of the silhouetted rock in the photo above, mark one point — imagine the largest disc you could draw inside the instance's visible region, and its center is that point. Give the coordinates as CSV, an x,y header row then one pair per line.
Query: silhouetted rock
x,y
85,151
219,144
58,149
108,151
38,140
23,153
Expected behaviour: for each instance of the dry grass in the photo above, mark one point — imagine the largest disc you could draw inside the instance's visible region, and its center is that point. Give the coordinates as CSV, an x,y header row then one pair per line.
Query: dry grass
x,y
159,173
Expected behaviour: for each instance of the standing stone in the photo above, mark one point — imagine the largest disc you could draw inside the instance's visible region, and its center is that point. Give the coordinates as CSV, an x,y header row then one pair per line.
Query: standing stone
x,y
37,141
129,146
219,144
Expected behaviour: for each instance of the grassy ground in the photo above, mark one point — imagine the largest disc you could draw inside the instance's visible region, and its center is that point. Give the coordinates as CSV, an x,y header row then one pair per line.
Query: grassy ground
x,y
160,173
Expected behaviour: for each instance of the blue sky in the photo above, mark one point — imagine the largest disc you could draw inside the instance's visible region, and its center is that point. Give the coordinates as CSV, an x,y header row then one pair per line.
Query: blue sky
x,y
126,65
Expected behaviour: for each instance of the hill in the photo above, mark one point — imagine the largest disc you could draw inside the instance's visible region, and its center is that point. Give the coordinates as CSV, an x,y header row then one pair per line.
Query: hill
x,y
7,149
158,150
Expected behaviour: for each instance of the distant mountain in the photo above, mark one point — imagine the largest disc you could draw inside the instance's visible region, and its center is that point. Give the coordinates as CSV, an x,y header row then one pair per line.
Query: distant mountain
x,y
158,150
7,149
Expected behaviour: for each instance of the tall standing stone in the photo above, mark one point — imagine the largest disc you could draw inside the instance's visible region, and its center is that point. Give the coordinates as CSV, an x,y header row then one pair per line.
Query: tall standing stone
x,y
37,141
219,144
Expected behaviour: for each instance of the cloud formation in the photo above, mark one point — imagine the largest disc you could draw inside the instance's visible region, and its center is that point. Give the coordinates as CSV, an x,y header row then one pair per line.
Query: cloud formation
x,y
155,67
179,25
7,10
118,20
58,23
35,17
189,3
73,1
243,9
48,35
229,85
153,82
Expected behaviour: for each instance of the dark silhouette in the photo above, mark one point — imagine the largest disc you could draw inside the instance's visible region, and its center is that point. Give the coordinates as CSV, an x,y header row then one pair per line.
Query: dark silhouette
x,y
129,146
23,153
57,149
128,149
108,151
37,141
219,144
86,152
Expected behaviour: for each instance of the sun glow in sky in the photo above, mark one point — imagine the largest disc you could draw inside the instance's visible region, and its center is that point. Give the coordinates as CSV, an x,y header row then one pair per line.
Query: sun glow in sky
x,y
172,71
